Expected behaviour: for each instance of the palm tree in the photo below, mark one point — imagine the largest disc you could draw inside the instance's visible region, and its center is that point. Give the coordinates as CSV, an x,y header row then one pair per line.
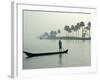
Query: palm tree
x,y
82,24
72,28
69,30
66,28
78,28
58,31
89,25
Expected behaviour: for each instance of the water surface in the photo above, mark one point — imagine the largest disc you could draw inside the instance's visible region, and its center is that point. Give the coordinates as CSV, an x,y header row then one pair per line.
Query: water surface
x,y
78,54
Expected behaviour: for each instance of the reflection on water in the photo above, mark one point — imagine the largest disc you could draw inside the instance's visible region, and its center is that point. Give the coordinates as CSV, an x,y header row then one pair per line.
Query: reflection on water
x,y
60,60
78,54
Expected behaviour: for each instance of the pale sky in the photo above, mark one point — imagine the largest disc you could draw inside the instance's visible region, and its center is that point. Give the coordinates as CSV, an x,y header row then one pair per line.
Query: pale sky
x,y
37,22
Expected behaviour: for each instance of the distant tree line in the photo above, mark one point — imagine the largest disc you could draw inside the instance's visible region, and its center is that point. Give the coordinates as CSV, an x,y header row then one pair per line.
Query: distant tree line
x,y
76,28
71,31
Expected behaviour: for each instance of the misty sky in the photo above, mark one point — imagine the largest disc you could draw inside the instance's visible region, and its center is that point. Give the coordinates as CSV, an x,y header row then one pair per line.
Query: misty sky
x,y
38,22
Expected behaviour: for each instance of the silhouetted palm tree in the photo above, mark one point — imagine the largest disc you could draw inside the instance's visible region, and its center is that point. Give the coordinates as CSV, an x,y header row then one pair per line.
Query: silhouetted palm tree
x,y
82,24
66,28
72,28
78,28
69,30
89,25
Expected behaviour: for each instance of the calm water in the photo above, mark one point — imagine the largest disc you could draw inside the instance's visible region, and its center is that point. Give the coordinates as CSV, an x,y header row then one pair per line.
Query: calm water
x,y
78,54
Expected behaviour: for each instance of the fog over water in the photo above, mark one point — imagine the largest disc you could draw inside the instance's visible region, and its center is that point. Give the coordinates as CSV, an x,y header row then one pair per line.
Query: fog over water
x,y
36,23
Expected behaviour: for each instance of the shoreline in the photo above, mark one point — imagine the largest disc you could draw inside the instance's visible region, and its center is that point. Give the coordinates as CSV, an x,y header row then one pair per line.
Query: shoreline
x,y
67,38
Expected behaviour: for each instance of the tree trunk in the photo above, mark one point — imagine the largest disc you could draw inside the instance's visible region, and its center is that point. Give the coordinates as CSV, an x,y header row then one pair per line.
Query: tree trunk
x,y
82,32
89,34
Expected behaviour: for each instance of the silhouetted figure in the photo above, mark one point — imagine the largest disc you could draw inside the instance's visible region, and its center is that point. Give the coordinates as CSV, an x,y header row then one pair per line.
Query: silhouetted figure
x,y
60,45
60,55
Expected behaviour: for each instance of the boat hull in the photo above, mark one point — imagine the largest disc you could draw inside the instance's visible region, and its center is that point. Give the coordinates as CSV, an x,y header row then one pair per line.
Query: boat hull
x,y
44,54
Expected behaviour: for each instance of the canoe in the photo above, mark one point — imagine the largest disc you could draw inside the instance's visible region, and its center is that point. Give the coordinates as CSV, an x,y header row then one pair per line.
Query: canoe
x,y
44,54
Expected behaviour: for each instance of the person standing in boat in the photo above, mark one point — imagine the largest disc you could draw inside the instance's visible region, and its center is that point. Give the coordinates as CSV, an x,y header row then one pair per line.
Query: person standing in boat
x,y
60,49
60,45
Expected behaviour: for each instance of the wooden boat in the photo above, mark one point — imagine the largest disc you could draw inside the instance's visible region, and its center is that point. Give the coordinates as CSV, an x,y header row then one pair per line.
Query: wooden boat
x,y
44,54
